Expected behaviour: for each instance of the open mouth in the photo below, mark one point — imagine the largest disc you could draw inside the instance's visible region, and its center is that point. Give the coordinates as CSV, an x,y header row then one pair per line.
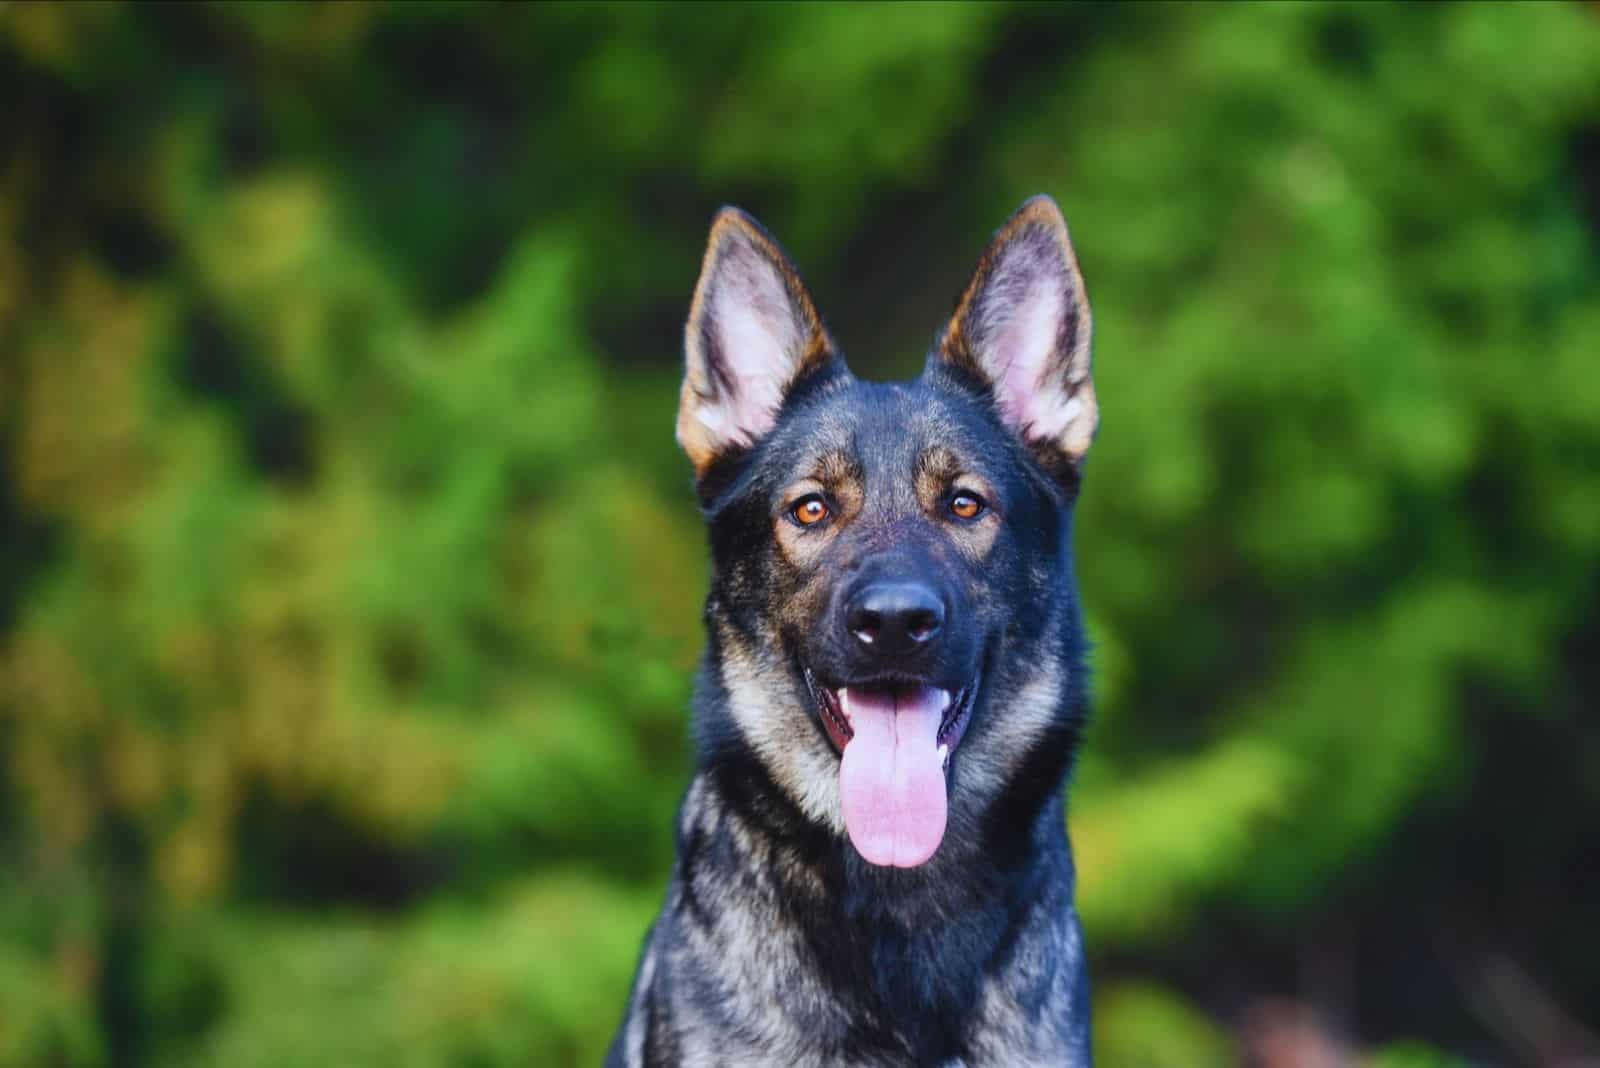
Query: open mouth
x,y
895,737
831,705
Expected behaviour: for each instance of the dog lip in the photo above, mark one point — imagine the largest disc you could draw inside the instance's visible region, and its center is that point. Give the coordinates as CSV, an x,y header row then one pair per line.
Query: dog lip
x,y
959,713
831,712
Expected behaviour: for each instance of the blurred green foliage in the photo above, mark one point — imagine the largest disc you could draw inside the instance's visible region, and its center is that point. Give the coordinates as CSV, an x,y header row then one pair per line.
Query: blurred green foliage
x,y
349,578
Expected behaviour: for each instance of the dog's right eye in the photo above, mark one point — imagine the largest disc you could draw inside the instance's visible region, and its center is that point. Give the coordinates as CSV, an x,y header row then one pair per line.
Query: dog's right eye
x,y
809,510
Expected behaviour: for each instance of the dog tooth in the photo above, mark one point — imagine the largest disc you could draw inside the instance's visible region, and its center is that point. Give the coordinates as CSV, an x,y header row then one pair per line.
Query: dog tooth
x,y
944,756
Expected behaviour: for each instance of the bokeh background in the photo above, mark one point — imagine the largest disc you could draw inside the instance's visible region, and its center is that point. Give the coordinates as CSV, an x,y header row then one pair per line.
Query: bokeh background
x,y
350,578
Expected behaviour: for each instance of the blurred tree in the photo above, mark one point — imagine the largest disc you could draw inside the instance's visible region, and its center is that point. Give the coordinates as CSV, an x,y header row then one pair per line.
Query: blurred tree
x,y
349,579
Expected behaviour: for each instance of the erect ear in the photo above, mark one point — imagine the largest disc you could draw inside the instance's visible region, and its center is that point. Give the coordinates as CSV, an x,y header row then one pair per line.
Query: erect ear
x,y
1022,328
752,334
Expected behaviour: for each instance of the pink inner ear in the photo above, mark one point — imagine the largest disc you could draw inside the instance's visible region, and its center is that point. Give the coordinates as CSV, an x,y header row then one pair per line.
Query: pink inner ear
x,y
759,341
1024,340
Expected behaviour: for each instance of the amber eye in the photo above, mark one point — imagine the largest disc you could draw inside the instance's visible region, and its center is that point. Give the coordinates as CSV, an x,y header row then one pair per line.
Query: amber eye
x,y
966,506
809,511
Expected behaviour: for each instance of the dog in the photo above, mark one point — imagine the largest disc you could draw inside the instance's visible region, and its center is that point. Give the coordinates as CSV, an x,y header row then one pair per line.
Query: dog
x,y
872,861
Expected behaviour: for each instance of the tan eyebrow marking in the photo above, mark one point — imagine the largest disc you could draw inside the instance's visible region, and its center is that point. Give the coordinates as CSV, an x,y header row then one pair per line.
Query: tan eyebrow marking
x,y
940,470
837,475
839,472
937,468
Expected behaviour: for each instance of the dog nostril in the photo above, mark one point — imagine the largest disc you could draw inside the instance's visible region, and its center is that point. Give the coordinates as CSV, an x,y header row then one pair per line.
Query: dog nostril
x,y
865,625
922,625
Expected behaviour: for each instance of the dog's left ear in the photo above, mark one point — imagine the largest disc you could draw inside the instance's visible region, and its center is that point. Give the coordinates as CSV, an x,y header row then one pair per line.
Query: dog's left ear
x,y
1022,328
753,334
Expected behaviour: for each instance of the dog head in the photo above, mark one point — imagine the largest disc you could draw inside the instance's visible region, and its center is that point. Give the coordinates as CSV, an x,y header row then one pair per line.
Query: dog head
x,y
894,631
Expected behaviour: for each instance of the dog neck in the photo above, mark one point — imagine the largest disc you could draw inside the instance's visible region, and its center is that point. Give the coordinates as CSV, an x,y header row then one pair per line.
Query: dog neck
x,y
756,876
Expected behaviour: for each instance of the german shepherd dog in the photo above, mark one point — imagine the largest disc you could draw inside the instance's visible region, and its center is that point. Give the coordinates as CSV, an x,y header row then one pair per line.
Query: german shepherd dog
x,y
872,861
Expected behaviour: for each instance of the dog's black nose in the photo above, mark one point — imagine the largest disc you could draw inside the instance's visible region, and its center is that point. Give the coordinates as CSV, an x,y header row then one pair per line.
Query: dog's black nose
x,y
894,617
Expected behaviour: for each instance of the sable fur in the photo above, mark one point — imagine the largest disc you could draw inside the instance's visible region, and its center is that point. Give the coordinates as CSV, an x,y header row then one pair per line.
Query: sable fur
x,y
777,943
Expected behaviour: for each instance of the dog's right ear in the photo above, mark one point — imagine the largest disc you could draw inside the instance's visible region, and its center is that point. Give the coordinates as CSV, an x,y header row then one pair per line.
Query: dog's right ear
x,y
753,333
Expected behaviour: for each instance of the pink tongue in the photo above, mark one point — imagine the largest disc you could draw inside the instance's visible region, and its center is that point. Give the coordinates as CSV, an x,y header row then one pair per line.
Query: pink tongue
x,y
891,780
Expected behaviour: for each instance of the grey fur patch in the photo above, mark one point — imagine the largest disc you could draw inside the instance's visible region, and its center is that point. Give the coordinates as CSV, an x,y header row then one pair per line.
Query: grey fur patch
x,y
774,721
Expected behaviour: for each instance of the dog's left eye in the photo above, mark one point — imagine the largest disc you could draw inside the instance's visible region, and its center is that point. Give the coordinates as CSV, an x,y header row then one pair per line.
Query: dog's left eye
x,y
967,506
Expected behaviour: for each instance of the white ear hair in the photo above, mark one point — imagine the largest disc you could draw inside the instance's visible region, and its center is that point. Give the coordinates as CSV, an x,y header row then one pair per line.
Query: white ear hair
x,y
752,334
1023,326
